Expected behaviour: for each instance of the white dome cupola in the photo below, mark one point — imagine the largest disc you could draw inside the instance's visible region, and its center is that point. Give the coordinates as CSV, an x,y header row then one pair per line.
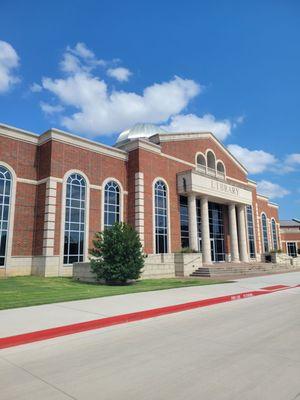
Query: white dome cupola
x,y
139,131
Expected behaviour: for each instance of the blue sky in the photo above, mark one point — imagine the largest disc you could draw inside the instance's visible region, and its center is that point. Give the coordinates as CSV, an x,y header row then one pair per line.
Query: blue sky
x,y
97,67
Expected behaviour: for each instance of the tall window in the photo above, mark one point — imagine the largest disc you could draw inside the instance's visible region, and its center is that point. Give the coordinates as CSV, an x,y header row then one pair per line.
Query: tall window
x,y
265,233
211,163
199,231
5,194
274,234
161,217
111,204
251,238
216,229
75,219
184,221
201,163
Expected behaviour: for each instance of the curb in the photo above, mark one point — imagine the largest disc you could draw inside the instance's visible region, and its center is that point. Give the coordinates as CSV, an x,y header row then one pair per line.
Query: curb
x,y
45,334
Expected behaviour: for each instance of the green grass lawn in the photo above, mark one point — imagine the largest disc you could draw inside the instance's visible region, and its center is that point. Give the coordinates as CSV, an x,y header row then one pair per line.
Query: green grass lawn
x,y
32,290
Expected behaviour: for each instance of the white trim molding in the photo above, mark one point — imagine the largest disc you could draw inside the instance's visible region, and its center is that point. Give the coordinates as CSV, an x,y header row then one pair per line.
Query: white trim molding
x,y
140,206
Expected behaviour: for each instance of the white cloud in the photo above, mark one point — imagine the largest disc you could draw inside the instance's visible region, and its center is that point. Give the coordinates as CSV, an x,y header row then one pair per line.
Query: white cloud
x,y
49,109
293,159
79,59
9,61
120,73
256,161
238,120
81,50
35,88
92,107
71,63
101,111
271,190
193,123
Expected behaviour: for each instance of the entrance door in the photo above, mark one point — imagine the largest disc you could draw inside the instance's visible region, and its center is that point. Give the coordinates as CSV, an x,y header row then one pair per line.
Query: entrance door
x,y
291,249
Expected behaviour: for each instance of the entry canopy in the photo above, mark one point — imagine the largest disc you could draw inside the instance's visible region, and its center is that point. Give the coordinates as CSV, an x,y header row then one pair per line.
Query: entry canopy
x,y
193,182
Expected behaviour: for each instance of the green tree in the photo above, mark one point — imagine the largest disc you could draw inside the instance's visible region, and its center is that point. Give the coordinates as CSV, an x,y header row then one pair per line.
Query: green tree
x,y
117,254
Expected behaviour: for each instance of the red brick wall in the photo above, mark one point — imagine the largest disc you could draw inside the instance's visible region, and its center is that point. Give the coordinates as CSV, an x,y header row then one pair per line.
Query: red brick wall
x,y
132,167
56,159
39,219
95,214
271,212
290,237
153,166
21,156
96,166
186,150
24,220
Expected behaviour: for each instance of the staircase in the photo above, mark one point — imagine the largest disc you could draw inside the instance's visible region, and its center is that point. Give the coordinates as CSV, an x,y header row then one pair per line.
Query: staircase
x,y
241,269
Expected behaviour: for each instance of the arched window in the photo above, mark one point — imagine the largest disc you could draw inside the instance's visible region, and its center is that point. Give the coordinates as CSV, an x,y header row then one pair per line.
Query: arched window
x,y
111,204
220,169
265,233
211,163
201,163
5,200
75,219
161,217
274,234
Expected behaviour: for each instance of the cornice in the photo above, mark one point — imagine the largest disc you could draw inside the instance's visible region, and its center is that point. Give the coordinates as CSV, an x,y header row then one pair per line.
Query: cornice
x,y
62,137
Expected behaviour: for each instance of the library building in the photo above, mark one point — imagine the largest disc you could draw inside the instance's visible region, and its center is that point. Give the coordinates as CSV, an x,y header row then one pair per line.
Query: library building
x,y
178,190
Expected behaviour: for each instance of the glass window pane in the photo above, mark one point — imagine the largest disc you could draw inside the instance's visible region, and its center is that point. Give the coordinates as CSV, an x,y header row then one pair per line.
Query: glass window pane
x,y
75,219
111,204
161,217
5,192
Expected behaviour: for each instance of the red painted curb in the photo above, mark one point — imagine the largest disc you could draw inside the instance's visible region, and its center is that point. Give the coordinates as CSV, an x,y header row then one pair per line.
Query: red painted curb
x,y
275,287
51,333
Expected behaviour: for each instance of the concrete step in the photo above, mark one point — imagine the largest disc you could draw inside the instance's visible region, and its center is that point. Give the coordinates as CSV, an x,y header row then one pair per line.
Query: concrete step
x,y
231,269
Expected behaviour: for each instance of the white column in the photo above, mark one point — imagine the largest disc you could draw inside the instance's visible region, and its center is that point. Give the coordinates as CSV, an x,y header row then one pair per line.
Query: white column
x,y
242,233
193,234
49,219
206,251
139,205
234,246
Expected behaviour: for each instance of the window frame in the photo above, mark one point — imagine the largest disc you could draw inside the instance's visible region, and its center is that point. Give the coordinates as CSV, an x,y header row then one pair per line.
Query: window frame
x,y
7,205
117,190
63,217
156,180
266,231
253,228
276,236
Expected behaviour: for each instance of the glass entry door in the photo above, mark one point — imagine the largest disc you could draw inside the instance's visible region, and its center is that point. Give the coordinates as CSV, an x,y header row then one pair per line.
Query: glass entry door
x,y
292,249
216,229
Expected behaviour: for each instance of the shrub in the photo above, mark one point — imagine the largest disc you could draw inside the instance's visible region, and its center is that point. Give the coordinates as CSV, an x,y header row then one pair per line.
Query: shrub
x,y
117,254
187,250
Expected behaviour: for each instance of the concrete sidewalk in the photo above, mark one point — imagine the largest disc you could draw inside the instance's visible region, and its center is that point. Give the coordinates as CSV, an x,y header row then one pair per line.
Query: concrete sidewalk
x,y
28,319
